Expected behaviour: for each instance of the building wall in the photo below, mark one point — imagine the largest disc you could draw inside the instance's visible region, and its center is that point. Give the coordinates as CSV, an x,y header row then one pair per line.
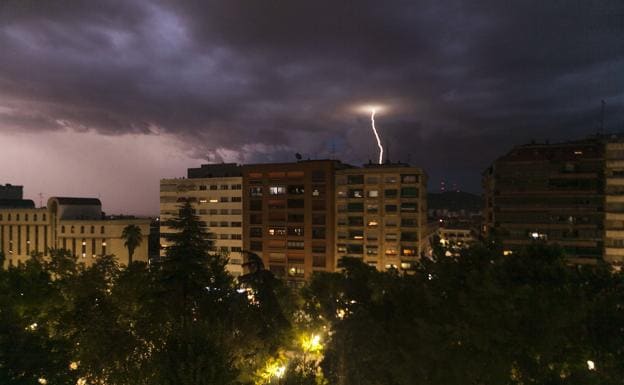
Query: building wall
x,y
381,215
9,191
288,211
554,193
217,202
24,231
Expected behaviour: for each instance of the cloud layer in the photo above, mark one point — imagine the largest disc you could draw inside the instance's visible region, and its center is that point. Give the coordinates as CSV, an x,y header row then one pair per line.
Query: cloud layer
x,y
257,81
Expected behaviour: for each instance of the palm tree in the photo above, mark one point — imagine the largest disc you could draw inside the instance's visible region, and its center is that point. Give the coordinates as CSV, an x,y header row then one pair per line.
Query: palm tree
x,y
133,237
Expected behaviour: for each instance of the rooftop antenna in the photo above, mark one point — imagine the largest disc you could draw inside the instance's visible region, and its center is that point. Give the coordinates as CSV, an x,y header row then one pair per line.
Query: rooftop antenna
x,y
40,199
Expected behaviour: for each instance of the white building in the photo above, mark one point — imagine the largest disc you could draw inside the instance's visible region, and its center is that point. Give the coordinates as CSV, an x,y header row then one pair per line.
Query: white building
x,y
215,192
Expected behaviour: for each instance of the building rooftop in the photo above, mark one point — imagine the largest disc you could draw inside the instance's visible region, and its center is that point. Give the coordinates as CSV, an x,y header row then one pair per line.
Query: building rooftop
x,y
17,204
78,201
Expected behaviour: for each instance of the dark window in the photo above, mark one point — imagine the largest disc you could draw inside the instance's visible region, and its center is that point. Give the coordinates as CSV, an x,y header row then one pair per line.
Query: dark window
x,y
356,221
318,205
296,218
355,179
318,233
409,192
255,219
255,245
409,178
255,232
255,205
295,203
391,193
317,219
409,207
409,236
255,191
355,207
355,249
297,245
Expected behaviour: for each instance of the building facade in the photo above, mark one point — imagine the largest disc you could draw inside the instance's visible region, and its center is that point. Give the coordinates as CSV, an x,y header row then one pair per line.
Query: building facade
x,y
74,224
564,193
381,215
288,216
215,192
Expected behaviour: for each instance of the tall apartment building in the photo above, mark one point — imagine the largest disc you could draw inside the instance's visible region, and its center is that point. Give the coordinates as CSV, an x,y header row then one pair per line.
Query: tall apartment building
x,y
74,224
381,214
568,193
215,191
288,216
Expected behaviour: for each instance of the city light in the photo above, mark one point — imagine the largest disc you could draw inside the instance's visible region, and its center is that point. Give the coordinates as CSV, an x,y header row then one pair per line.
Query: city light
x,y
311,343
591,365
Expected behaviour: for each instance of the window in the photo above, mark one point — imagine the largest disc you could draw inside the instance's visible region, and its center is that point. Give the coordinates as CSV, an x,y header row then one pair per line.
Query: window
x,y
236,211
373,193
297,189
296,245
372,208
277,204
372,250
295,203
17,218
236,187
356,193
318,205
318,176
213,187
409,178
356,234
295,231
318,233
342,248
408,251
318,248
224,236
62,229
225,199
356,221
236,236
255,245
409,192
101,229
224,187
203,187
409,236
391,237
372,180
255,219
214,224
296,271
355,207
391,193
277,231
409,222
318,260
81,229
391,251
355,179
296,218
255,191
92,229
391,208
224,224
391,179
237,199
318,191
255,205
255,232
372,224
409,207
236,224
277,190
355,249
318,219
71,229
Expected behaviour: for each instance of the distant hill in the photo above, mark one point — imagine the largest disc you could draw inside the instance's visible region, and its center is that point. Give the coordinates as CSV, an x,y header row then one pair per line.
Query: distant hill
x,y
454,201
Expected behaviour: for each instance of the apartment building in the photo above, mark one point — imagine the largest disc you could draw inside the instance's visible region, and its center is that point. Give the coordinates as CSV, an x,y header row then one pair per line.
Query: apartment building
x,y
215,192
567,193
288,216
381,215
74,224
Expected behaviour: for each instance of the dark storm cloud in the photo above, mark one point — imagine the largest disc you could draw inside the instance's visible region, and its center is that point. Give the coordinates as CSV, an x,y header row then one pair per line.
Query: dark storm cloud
x,y
258,80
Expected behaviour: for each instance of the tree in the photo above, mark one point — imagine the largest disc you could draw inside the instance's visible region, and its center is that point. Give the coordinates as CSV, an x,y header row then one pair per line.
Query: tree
x,y
132,237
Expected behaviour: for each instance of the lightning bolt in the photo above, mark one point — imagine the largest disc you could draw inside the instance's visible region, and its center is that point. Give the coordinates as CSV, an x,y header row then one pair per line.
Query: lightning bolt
x,y
376,135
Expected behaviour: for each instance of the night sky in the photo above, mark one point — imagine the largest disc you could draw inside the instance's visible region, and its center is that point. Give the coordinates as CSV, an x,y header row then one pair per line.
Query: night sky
x,y
105,98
